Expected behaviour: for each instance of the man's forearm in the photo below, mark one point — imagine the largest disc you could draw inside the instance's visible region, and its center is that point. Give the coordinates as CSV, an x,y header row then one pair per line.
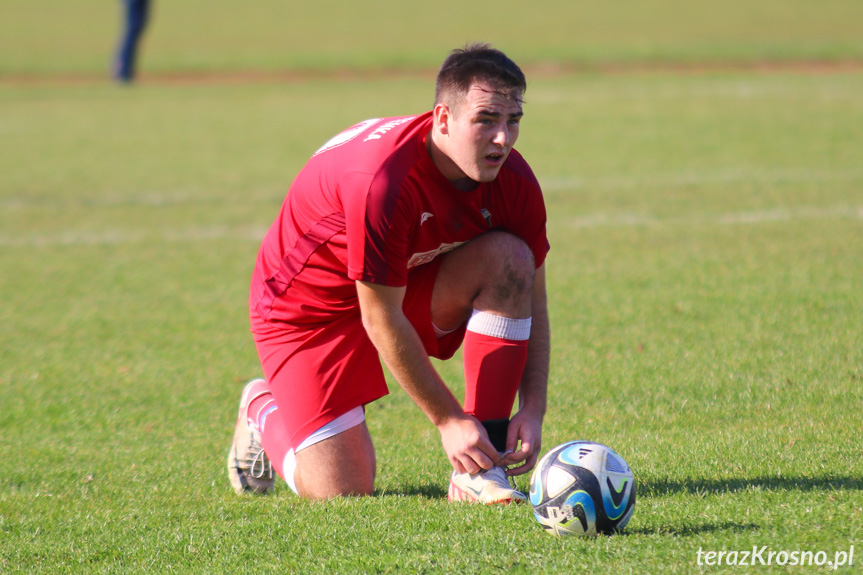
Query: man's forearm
x,y
404,355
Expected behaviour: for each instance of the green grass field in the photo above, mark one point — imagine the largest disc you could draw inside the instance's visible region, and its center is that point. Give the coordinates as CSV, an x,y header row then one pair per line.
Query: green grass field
x,y
40,37
705,290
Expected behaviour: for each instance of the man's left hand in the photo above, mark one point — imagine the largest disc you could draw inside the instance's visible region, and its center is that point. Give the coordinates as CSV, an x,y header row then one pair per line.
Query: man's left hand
x,y
526,429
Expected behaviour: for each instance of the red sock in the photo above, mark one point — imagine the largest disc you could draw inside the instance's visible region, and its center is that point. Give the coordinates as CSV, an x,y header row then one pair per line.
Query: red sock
x,y
495,353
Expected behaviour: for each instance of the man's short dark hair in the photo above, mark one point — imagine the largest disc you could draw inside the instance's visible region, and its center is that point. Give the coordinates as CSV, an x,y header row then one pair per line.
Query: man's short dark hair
x,y
478,63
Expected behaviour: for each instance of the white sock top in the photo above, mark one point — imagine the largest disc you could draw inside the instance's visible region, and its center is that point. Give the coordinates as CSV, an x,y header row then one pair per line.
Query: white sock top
x,y
514,329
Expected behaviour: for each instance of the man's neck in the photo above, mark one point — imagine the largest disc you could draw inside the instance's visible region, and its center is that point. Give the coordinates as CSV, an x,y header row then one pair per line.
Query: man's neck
x,y
447,167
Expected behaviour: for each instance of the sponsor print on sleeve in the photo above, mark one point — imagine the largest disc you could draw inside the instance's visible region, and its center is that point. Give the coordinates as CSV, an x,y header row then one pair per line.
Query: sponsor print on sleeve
x,y
355,131
346,136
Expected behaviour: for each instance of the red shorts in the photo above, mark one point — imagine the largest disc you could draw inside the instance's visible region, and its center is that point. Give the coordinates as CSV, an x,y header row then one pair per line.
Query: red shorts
x,y
318,372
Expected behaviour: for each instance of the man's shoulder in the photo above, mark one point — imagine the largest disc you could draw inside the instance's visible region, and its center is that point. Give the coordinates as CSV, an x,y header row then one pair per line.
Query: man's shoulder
x,y
516,169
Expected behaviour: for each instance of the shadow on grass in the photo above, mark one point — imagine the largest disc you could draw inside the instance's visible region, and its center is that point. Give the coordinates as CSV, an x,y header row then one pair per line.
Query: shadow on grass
x,y
709,485
686,530
427,491
694,486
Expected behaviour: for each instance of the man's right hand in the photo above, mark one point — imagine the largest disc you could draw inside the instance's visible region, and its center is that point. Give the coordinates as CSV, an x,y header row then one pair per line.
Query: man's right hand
x,y
467,445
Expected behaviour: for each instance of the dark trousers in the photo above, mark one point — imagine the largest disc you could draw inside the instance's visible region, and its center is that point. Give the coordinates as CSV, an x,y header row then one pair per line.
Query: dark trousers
x,y
136,14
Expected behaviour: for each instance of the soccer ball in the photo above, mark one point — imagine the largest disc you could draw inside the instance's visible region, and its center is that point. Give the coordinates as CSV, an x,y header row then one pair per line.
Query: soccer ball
x,y
582,488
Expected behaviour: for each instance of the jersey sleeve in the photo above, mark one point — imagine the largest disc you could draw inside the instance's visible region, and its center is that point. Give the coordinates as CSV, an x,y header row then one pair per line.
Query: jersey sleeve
x,y
527,216
377,229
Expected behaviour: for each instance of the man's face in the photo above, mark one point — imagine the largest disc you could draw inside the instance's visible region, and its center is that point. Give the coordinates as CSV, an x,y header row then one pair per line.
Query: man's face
x,y
478,133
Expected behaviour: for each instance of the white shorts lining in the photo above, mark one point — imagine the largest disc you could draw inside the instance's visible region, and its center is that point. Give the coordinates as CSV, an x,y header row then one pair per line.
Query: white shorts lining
x,y
340,424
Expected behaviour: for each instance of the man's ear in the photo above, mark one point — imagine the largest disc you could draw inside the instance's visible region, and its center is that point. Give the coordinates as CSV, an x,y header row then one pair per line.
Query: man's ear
x,y
442,116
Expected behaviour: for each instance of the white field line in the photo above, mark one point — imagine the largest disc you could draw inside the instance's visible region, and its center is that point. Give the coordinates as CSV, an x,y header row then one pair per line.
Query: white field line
x,y
115,237
786,214
612,219
255,234
720,178
706,178
623,220
153,199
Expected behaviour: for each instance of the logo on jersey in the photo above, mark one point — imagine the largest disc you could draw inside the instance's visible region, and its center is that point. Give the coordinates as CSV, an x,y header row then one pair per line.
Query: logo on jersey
x,y
425,257
425,216
487,215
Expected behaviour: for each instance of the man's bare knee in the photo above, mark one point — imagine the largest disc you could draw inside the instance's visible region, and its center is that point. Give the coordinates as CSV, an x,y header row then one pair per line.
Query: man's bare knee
x,y
493,272
510,270
342,465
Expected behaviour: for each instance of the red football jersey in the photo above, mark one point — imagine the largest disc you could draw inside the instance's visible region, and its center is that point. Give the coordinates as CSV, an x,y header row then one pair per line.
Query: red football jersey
x,y
371,205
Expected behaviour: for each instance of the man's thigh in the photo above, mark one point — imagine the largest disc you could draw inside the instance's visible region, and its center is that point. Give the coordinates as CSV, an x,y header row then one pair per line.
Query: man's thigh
x,y
496,266
318,373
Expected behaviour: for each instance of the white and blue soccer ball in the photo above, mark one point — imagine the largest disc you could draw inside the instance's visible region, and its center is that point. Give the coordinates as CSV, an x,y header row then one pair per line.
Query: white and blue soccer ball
x,y
582,488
